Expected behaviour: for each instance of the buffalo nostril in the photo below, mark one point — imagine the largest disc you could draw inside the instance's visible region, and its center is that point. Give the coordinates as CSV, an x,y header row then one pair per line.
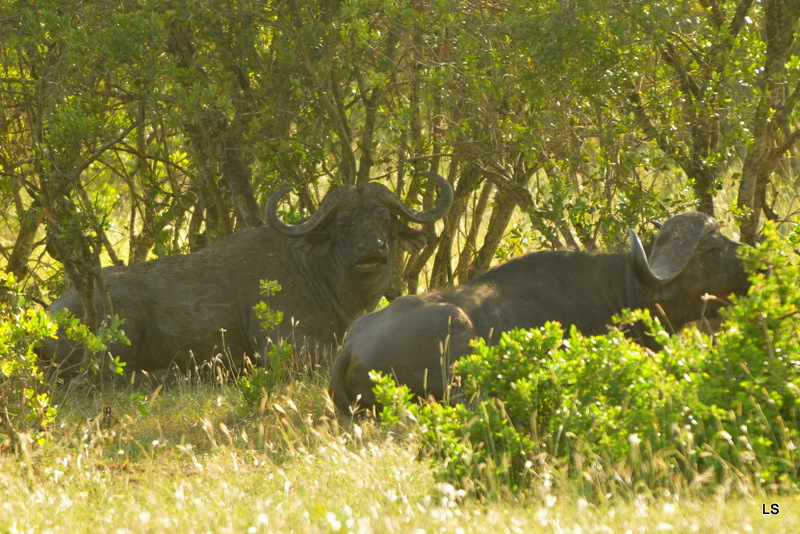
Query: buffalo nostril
x,y
372,244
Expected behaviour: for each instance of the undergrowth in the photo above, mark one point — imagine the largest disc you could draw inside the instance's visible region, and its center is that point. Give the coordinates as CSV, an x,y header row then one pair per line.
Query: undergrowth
x,y
601,413
25,407
197,456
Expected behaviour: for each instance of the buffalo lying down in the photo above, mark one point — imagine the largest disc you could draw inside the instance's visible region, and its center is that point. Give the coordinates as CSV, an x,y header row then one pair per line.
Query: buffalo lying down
x,y
689,258
333,267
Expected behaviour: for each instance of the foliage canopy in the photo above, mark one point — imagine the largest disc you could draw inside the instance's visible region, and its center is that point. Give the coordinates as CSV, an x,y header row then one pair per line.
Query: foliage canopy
x,y
146,128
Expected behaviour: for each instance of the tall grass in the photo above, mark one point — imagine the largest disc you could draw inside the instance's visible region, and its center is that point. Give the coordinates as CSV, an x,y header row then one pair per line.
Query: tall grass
x,y
202,460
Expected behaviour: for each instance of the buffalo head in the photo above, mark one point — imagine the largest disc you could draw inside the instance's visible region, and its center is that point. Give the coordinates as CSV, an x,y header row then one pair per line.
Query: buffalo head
x,y
363,219
689,258
357,227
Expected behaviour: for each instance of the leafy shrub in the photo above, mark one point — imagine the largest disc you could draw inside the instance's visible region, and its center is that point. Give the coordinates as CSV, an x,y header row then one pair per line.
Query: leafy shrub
x,y
542,391
607,411
748,380
108,331
259,381
25,409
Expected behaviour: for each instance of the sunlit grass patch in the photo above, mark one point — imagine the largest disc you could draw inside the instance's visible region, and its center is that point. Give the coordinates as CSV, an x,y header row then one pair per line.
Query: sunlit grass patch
x,y
200,460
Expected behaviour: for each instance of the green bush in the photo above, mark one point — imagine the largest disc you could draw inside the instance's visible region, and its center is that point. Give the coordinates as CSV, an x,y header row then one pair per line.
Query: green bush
x,y
747,381
543,392
25,410
98,344
258,382
608,412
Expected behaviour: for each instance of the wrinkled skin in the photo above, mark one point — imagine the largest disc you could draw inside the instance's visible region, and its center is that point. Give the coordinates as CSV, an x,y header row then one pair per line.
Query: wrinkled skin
x,y
188,309
416,338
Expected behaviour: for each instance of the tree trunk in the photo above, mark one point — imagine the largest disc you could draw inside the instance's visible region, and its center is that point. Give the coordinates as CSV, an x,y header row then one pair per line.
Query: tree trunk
x,y
704,181
467,255
238,175
498,223
755,173
30,222
780,28
67,243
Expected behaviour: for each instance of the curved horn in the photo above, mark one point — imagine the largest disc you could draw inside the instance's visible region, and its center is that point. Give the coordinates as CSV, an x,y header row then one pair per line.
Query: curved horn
x,y
338,196
325,210
673,248
397,207
642,267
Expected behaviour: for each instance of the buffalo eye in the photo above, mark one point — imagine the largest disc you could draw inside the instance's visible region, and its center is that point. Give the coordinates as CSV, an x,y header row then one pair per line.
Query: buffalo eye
x,y
344,220
712,260
382,215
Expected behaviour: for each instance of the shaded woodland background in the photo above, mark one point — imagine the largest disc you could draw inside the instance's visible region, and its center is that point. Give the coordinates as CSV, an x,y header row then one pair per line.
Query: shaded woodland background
x,y
137,129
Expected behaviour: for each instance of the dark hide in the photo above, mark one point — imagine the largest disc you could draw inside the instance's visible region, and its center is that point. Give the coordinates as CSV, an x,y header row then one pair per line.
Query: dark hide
x,y
333,268
415,338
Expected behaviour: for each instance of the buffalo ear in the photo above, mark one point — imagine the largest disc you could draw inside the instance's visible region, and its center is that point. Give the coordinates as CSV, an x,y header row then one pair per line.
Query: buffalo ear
x,y
411,240
313,243
672,250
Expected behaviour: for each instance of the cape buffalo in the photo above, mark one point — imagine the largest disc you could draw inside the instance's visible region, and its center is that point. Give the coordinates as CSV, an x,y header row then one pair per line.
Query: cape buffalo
x,y
688,259
333,267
